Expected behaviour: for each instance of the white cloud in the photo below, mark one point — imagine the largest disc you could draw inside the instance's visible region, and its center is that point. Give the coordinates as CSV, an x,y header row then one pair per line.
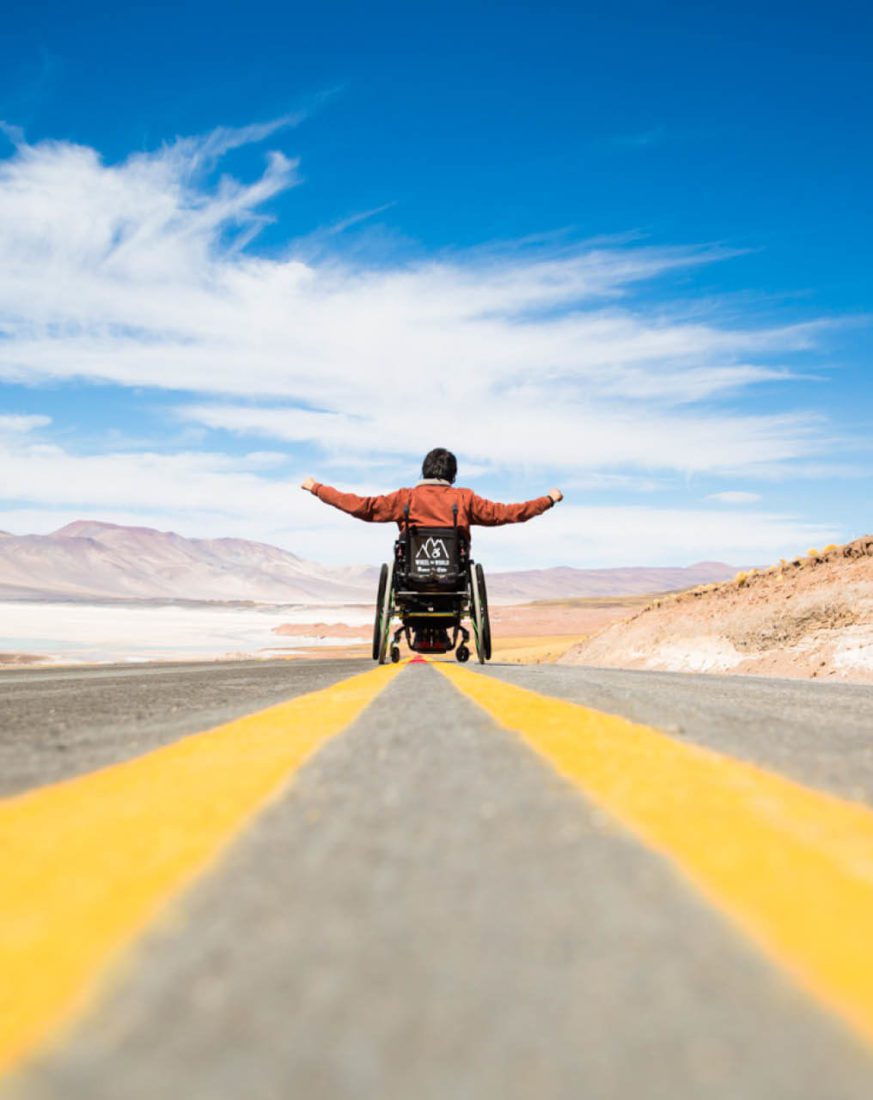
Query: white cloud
x,y
735,496
636,535
185,484
207,494
137,274
539,357
21,424
513,428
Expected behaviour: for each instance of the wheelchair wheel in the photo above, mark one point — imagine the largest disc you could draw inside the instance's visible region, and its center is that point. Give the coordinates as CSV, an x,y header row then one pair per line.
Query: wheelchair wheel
x,y
481,619
382,622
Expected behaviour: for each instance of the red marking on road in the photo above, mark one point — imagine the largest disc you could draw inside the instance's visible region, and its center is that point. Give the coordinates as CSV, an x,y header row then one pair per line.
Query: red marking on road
x,y
418,660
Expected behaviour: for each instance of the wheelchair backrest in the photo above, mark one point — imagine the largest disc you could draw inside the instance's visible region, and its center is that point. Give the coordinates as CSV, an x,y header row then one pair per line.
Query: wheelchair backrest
x,y
431,559
434,555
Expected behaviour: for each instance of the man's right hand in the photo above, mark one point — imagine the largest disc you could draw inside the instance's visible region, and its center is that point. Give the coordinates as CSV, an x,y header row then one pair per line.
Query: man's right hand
x,y
309,484
556,495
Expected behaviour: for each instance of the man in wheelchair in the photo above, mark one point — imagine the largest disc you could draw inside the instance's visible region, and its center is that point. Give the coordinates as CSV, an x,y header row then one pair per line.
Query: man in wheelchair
x,y
432,584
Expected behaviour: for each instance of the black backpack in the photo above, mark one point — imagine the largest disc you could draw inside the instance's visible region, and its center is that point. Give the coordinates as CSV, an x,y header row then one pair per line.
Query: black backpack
x,y
435,557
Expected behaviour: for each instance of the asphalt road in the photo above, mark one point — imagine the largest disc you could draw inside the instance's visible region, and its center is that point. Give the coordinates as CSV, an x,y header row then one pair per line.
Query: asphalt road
x,y
430,911
56,724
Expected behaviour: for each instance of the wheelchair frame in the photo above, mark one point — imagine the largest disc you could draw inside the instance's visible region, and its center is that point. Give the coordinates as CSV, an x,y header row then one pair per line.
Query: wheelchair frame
x,y
431,611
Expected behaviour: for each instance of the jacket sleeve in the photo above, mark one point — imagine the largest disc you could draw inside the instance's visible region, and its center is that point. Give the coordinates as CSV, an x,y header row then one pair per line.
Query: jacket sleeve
x,y
488,513
381,509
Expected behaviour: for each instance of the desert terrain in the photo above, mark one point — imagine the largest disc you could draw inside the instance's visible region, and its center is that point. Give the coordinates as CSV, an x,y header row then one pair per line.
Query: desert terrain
x,y
807,618
94,592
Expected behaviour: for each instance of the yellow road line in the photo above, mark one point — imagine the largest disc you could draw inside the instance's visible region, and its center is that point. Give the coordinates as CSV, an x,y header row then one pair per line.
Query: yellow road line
x,y
87,863
792,866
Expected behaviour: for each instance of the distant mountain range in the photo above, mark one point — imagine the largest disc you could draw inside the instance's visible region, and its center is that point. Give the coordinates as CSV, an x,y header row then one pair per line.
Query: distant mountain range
x,y
88,559
93,560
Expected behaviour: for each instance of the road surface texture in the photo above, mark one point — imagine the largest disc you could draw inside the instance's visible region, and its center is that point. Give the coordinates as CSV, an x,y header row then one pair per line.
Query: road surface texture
x,y
55,724
430,906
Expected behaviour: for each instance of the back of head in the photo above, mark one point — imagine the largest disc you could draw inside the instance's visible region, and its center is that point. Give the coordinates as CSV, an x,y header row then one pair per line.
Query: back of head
x,y
440,463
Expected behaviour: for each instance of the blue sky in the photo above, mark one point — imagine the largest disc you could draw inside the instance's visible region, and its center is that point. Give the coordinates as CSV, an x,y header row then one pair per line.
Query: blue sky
x,y
618,248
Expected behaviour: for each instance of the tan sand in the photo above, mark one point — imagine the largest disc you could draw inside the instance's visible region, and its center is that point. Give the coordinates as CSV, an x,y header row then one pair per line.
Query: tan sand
x,y
809,618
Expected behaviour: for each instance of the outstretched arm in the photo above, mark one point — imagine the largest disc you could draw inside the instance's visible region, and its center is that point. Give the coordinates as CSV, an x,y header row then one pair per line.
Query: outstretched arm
x,y
488,513
381,509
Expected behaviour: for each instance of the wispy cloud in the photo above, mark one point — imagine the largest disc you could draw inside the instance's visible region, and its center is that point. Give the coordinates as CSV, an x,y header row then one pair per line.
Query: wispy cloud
x,y
214,494
202,152
544,355
20,424
128,274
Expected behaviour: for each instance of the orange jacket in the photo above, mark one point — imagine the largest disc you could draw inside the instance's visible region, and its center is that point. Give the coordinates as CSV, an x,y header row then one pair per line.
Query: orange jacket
x,y
430,505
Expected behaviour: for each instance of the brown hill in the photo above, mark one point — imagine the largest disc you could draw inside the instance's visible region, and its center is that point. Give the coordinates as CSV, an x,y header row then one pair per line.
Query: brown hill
x,y
87,560
808,618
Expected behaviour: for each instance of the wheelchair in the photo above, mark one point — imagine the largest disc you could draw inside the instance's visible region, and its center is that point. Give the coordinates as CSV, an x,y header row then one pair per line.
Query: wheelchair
x,y
431,586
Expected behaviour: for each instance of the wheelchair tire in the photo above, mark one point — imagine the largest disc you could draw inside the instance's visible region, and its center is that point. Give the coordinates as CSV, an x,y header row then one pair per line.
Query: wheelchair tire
x,y
481,618
382,622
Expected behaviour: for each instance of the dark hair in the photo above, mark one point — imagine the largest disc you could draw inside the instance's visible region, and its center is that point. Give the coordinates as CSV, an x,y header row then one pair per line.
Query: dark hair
x,y
440,463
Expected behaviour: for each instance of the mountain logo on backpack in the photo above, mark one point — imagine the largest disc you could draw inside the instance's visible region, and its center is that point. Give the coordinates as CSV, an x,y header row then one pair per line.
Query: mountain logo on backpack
x,y
432,550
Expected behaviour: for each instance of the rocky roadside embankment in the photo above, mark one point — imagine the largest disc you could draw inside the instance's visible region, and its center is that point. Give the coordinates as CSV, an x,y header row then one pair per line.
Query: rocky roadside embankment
x,y
809,618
